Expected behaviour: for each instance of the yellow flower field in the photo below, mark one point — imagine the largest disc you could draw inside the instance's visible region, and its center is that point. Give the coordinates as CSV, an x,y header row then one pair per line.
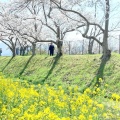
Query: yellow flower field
x,y
21,101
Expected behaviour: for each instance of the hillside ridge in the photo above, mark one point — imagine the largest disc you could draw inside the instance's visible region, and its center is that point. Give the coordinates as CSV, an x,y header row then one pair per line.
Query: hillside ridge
x,y
67,70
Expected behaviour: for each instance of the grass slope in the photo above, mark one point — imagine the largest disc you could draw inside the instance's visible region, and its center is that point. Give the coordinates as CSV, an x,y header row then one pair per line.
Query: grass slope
x,y
67,70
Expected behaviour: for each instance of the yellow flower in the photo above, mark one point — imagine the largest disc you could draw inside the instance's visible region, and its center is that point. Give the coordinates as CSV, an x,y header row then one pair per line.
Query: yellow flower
x,y
90,117
95,115
73,107
94,92
0,102
16,111
27,116
98,89
39,85
21,118
106,85
61,92
20,106
100,80
96,85
87,91
31,108
70,88
42,103
101,106
11,116
10,93
60,87
115,97
47,110
76,89
40,114
90,101
105,115
82,117
84,109
53,116
94,109
4,109
116,107
75,118
63,118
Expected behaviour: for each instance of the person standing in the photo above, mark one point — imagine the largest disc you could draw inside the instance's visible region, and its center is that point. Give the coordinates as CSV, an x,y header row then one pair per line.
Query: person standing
x,y
0,51
51,49
21,50
17,51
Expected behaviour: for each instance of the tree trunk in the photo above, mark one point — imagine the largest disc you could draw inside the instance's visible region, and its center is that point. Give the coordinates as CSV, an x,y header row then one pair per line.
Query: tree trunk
x,y
106,51
13,52
90,46
33,49
59,42
59,48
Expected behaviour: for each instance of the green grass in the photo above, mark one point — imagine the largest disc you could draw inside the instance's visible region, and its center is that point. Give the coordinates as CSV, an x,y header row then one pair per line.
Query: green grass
x,y
68,70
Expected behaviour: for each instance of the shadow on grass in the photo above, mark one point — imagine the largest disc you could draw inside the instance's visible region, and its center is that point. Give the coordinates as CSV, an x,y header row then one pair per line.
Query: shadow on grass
x,y
54,62
100,74
7,63
22,71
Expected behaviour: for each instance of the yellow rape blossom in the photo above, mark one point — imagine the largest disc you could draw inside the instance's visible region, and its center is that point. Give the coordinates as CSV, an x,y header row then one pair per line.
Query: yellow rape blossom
x,y
101,106
100,80
87,91
21,101
81,117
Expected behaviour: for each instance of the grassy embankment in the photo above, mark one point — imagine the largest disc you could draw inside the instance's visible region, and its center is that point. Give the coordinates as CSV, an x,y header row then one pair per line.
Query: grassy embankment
x,y
65,71
77,71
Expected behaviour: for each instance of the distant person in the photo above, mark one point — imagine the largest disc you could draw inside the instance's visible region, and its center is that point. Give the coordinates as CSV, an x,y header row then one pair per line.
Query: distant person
x,y
51,49
24,48
27,49
0,51
21,50
17,51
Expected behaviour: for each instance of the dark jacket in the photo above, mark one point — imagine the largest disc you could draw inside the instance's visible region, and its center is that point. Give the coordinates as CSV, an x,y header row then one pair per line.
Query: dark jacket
x,y
0,51
51,47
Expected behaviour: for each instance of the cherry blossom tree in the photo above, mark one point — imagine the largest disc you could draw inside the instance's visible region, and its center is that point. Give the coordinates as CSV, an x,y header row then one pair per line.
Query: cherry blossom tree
x,y
53,26
7,36
50,20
